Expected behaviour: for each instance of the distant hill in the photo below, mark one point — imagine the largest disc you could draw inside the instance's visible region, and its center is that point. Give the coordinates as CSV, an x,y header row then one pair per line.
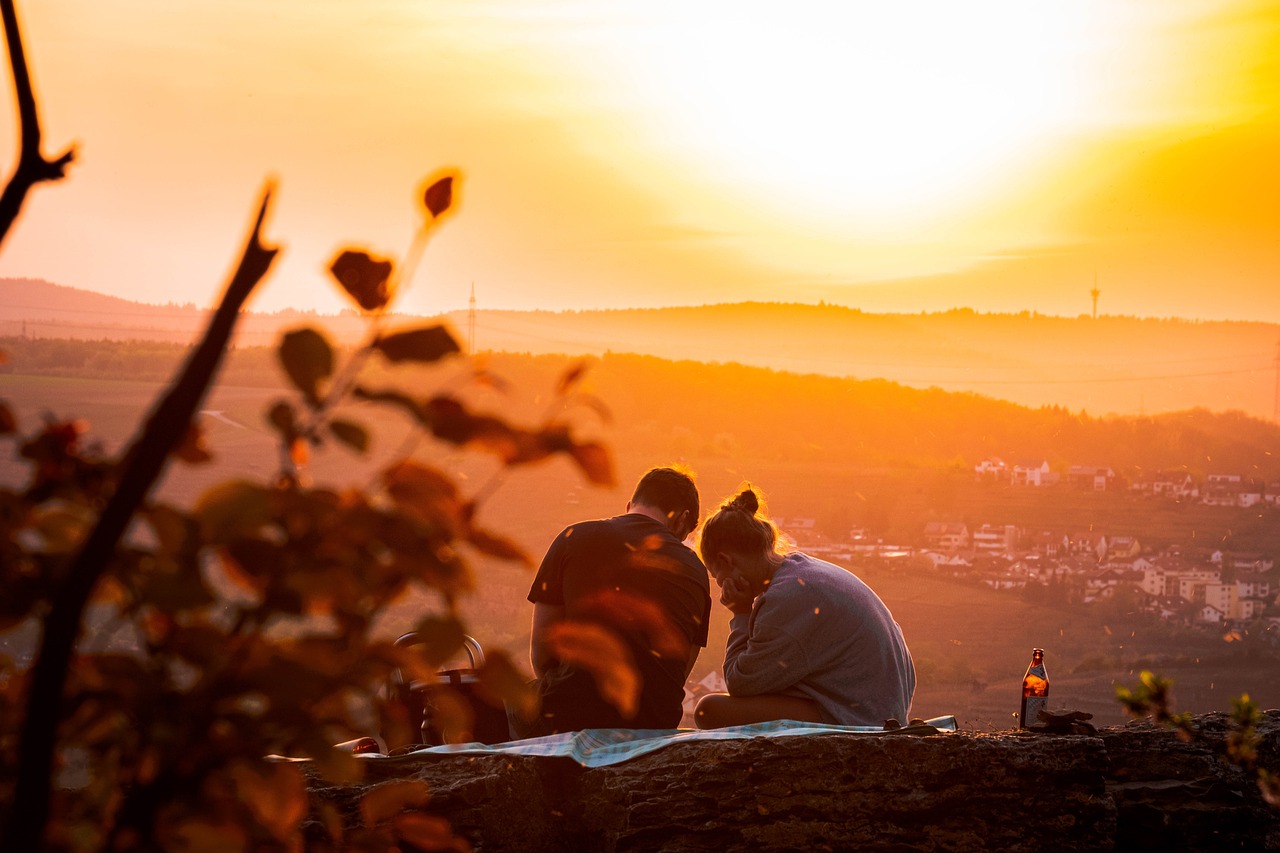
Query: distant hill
x,y
1124,365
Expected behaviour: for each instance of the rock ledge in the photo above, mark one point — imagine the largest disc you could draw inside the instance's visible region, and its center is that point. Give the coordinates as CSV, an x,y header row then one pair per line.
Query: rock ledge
x,y
1136,787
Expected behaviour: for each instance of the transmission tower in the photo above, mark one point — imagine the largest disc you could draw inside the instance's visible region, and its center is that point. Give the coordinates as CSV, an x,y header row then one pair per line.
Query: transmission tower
x,y
471,321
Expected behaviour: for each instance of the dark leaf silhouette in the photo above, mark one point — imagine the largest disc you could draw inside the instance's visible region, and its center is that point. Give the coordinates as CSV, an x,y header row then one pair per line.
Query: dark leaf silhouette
x,y
390,799
174,530
451,714
398,399
193,449
498,546
423,345
637,613
426,493
503,682
598,651
351,434
571,377
428,832
442,638
307,358
438,197
232,509
366,279
596,462
275,794
249,563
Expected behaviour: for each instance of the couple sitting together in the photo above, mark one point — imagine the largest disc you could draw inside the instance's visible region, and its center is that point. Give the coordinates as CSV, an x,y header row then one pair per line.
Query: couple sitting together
x,y
808,640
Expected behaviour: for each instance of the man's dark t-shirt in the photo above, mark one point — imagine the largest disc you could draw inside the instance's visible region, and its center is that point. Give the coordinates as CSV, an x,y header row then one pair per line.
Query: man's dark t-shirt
x,y
631,575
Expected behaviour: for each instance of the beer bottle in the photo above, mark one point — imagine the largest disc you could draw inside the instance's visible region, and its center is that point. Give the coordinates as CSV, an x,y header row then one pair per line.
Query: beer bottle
x,y
1035,690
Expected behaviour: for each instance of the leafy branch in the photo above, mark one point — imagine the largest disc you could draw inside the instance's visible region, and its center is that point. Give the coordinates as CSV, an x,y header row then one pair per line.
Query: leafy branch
x,y
1153,697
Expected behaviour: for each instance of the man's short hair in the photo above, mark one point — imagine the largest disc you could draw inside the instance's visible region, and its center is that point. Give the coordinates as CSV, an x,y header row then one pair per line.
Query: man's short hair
x,y
669,489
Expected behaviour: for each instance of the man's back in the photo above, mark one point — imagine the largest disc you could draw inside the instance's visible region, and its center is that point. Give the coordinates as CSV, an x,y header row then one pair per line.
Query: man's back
x,y
631,576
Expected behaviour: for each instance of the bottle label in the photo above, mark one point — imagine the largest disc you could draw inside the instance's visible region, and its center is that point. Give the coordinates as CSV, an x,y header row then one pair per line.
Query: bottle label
x,y
1034,705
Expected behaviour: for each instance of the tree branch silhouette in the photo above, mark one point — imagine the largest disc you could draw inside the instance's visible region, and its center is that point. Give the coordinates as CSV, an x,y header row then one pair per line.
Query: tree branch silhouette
x,y
32,167
142,465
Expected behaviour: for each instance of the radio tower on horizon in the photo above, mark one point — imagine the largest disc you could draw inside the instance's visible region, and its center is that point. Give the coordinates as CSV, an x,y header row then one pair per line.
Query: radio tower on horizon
x,y
1095,293
471,322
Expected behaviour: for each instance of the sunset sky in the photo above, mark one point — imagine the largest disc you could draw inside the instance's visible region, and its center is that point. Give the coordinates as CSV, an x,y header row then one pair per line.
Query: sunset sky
x,y
907,156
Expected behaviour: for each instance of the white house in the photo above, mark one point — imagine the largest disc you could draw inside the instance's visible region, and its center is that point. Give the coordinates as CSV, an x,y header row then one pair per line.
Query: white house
x,y
1033,475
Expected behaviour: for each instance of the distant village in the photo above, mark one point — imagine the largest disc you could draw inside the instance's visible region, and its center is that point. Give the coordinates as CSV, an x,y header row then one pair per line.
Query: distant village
x,y
1214,588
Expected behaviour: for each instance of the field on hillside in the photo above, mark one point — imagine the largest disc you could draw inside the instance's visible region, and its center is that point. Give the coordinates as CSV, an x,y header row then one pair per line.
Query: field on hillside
x,y
971,643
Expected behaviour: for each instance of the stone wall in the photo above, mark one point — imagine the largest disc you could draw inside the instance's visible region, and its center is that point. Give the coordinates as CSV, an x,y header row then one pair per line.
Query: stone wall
x,y
1136,787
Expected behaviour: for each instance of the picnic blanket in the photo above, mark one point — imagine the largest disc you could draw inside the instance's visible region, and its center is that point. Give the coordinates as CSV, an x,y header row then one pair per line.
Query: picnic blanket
x,y
602,747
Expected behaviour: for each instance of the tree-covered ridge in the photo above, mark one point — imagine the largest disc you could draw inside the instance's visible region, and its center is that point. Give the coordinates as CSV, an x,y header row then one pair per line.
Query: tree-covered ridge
x,y
1103,364
731,410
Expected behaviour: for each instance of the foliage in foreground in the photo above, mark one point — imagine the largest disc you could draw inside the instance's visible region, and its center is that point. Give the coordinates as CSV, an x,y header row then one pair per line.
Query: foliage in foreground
x,y
1153,697
175,693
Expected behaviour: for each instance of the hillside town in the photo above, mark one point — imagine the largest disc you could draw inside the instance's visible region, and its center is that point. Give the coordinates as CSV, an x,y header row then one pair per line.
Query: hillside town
x,y
1215,588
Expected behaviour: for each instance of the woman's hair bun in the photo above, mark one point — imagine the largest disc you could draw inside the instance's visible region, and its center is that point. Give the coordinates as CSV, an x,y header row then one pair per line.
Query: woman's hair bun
x,y
747,501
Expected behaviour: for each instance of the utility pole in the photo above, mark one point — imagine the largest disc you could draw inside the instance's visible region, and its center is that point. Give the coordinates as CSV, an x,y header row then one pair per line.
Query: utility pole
x,y
1095,293
471,322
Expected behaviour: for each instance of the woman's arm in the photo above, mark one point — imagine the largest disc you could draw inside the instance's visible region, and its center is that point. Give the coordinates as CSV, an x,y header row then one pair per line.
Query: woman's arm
x,y
763,654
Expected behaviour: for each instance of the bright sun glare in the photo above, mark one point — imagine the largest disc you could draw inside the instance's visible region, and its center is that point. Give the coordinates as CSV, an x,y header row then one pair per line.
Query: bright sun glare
x,y
862,114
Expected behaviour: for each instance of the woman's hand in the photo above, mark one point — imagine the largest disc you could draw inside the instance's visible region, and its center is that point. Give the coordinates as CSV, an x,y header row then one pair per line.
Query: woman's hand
x,y
736,593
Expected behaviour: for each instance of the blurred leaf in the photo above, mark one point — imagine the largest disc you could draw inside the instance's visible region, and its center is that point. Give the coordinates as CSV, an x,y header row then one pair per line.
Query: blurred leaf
x,y
438,197
109,591
8,423
639,614
366,279
571,377
63,529
192,449
504,683
231,509
596,462
599,652
440,569
442,637
450,714
425,492
284,419
498,546
275,793
172,528
202,645
192,833
351,434
390,799
336,766
307,358
450,421
427,344
427,832
173,586
392,398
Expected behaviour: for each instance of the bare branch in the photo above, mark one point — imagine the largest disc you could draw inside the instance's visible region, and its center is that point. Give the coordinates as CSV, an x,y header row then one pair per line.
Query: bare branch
x,y
143,463
32,167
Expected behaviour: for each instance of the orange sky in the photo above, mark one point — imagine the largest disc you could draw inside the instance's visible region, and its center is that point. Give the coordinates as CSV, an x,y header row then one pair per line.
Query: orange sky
x,y
995,154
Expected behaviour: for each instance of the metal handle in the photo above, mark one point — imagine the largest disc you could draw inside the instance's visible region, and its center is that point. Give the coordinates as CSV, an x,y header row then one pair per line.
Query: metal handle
x,y
469,643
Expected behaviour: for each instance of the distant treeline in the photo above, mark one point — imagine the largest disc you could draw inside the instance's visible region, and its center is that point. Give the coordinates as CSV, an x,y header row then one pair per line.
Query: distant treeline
x,y
687,408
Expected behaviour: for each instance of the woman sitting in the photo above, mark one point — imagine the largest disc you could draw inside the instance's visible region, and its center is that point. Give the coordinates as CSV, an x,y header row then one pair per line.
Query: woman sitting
x,y
808,640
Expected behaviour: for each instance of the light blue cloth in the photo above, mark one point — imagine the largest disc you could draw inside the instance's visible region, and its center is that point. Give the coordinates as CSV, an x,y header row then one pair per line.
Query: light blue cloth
x,y
602,747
